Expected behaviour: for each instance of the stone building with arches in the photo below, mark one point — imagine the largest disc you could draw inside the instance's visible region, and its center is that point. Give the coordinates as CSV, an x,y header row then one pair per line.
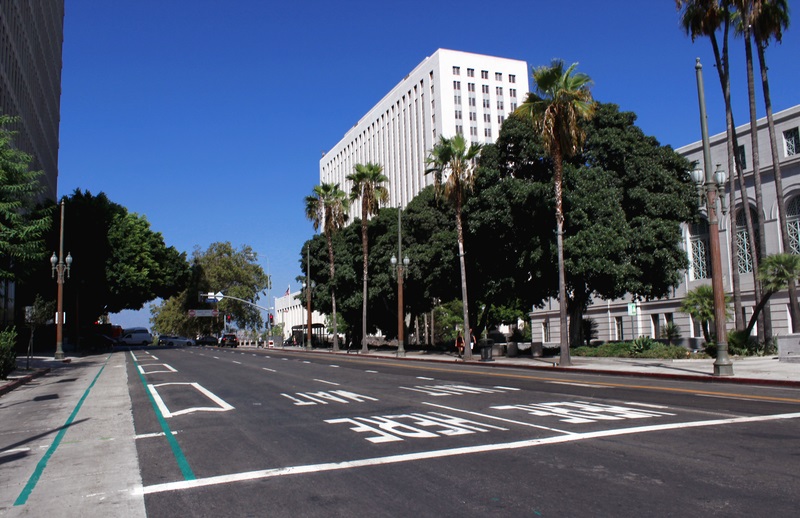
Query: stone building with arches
x,y
625,319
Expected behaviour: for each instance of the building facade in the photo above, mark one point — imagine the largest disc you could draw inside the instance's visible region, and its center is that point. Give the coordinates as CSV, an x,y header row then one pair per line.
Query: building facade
x,y
448,93
31,38
625,319
290,311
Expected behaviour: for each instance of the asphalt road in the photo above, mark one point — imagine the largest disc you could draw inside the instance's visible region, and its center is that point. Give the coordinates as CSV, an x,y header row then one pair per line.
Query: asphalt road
x,y
276,433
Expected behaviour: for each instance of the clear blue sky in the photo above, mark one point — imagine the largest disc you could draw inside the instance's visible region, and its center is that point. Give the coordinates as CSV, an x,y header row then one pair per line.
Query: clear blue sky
x,y
209,116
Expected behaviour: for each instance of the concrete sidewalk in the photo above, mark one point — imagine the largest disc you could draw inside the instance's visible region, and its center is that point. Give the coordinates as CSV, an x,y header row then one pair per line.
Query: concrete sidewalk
x,y
67,441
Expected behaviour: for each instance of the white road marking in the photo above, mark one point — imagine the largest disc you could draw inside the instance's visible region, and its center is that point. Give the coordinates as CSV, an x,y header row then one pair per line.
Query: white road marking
x,y
645,405
169,368
436,454
487,416
15,450
151,435
575,384
328,382
372,372
154,357
505,388
424,378
237,363
306,361
266,369
335,366
222,405
216,357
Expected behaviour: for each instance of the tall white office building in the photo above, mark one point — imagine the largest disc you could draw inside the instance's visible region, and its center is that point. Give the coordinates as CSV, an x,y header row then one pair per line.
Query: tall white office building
x,y
450,92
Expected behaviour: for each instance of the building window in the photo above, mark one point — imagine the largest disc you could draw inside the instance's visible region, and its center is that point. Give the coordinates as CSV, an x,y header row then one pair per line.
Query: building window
x,y
456,85
472,101
484,74
486,103
485,89
473,131
498,90
458,114
456,71
655,330
459,129
513,107
487,132
473,116
512,78
545,332
500,104
512,92
793,224
470,72
501,119
457,99
498,76
619,329
471,87
791,142
742,156
487,117
744,252
699,266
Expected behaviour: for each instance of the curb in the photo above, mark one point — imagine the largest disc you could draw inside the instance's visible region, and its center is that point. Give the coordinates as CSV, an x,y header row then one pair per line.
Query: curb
x,y
12,384
707,378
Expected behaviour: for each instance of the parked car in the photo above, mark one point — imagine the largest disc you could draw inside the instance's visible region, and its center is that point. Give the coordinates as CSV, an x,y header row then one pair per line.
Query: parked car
x,y
229,341
135,336
207,340
171,340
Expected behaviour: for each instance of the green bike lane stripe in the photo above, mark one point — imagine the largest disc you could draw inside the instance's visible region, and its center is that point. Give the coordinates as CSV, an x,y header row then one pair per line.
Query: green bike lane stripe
x,y
37,473
180,458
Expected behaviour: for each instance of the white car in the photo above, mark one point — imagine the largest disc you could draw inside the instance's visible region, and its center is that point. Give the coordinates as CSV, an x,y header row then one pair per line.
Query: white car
x,y
135,336
174,340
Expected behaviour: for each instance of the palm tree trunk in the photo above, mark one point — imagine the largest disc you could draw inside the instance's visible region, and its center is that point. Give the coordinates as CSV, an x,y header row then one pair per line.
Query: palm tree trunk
x,y
793,303
333,294
761,251
462,263
364,245
723,71
562,277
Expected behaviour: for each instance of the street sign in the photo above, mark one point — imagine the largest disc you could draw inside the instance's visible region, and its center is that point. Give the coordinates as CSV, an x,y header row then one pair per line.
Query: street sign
x,y
219,296
632,309
203,313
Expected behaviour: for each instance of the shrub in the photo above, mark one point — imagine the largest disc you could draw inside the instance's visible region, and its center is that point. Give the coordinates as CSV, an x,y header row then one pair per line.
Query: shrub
x,y
642,344
671,332
8,354
665,351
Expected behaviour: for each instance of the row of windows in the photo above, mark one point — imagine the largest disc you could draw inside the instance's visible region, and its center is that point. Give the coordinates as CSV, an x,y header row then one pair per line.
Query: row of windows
x,y
512,92
498,76
791,146
699,248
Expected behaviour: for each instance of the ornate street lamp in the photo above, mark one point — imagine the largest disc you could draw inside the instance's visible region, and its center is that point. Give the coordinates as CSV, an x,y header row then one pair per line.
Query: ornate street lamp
x,y
711,187
400,272
60,266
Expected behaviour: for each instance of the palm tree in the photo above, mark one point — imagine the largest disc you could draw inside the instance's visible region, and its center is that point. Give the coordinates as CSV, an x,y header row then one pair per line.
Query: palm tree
x,y
368,180
560,100
769,23
705,18
746,11
453,165
327,208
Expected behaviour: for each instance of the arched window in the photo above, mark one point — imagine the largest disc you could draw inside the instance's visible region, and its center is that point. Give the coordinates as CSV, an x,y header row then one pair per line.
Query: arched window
x,y
699,267
745,253
793,224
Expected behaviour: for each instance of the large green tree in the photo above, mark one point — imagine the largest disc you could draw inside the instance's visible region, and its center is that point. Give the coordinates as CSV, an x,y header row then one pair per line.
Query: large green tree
x,y
327,208
452,162
368,186
23,224
219,268
560,100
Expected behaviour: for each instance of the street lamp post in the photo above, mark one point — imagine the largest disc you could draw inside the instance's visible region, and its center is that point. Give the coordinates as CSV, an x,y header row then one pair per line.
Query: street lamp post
x,y
308,285
60,266
400,270
712,186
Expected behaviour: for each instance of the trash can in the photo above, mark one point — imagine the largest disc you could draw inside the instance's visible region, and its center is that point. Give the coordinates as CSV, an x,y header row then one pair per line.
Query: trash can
x,y
486,349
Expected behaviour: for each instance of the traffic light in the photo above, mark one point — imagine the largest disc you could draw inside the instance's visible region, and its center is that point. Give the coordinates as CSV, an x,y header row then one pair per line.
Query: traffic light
x,y
228,318
271,319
